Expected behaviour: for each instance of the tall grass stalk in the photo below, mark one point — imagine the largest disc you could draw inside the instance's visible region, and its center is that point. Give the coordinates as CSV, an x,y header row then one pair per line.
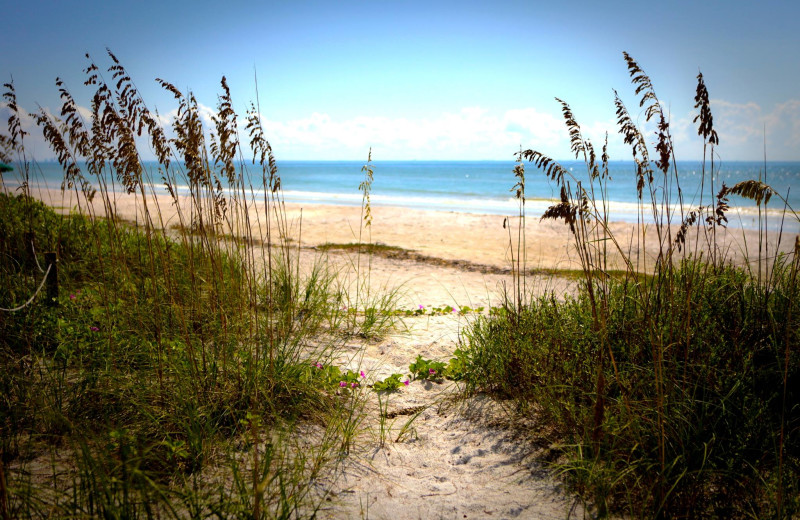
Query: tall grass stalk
x,y
174,334
519,266
365,221
670,389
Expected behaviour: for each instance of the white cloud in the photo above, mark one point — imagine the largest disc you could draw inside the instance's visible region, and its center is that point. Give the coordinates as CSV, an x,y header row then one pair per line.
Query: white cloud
x,y
746,128
784,127
34,143
471,133
738,125
742,129
477,133
541,130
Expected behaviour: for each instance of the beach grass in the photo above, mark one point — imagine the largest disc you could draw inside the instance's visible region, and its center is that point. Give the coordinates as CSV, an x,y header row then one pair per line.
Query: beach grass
x,y
170,374
376,248
671,391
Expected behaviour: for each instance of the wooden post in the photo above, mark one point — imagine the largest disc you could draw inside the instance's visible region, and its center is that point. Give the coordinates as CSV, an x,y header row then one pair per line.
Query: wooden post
x,y
52,279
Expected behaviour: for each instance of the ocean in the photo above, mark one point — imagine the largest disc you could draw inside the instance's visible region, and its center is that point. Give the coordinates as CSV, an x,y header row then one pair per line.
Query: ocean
x,y
486,186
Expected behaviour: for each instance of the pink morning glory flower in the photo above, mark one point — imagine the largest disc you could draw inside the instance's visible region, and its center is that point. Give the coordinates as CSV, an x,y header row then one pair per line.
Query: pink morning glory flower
x,y
422,307
362,374
431,371
94,329
353,385
406,382
343,384
71,296
318,365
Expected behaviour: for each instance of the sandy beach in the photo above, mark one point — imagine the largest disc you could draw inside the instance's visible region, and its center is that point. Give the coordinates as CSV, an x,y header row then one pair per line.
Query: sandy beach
x,y
443,457
472,241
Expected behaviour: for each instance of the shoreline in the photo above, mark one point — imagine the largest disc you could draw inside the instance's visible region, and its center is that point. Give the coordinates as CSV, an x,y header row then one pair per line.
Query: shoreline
x,y
744,216
469,241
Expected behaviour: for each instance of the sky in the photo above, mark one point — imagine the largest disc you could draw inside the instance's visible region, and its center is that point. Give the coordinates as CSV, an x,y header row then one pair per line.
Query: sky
x,y
428,80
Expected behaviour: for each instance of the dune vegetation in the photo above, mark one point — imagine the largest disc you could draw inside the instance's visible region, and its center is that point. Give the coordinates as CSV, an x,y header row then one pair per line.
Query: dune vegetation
x,y
189,367
672,391
172,370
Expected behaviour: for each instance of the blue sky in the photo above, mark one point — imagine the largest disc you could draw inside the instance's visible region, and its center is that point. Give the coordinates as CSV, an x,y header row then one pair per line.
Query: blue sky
x,y
431,80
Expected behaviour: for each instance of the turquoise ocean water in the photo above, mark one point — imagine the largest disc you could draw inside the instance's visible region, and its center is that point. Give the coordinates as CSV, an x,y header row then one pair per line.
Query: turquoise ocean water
x,y
485,186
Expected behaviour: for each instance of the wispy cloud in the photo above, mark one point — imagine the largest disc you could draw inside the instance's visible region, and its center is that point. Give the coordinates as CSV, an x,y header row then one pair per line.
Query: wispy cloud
x,y
474,133
784,126
34,143
747,131
469,134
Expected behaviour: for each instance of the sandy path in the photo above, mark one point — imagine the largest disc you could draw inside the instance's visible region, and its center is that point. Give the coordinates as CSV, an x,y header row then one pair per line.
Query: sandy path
x,y
442,457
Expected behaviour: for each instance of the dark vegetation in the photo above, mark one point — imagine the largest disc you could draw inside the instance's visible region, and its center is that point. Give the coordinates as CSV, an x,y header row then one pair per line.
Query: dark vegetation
x,y
170,374
673,394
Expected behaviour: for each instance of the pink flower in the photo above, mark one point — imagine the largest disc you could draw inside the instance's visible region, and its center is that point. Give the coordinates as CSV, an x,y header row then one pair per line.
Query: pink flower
x,y
71,296
94,329
422,307
318,365
362,374
431,371
353,385
406,382
343,384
